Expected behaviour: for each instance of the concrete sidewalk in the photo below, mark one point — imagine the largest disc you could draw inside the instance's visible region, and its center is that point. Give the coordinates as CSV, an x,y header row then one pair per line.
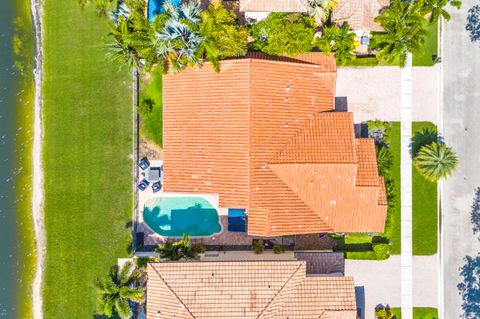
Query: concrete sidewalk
x,y
382,285
374,92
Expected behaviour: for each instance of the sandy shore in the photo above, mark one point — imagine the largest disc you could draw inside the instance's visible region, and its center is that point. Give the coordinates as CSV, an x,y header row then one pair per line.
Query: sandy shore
x,y
38,191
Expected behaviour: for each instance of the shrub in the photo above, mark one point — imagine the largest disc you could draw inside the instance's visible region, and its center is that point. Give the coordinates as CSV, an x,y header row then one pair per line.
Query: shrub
x,y
278,249
382,250
258,247
284,34
380,132
199,248
382,312
339,40
384,161
146,106
222,36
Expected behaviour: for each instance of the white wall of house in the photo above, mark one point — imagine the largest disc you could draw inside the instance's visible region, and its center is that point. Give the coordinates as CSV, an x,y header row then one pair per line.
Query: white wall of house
x,y
257,16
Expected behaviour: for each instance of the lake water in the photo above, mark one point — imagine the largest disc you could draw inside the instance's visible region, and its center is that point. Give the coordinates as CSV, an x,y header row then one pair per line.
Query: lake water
x,y
15,133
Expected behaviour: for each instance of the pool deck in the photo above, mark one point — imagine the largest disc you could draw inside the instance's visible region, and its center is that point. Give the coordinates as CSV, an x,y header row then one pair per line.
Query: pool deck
x,y
224,238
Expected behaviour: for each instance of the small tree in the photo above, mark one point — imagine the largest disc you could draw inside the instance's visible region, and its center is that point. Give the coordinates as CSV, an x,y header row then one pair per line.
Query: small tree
x,y
284,34
177,250
116,289
382,312
382,250
320,10
258,247
146,106
436,161
338,40
199,248
222,36
404,31
278,249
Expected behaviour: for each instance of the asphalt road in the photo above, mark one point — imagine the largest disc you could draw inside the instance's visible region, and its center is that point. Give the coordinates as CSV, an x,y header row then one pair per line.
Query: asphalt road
x,y
461,119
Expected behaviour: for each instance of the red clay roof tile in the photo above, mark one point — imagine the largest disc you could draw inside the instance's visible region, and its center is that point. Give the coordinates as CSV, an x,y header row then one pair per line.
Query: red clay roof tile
x,y
260,134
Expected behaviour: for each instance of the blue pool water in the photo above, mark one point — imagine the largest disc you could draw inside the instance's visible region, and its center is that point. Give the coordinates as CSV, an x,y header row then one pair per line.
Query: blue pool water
x,y
175,216
155,7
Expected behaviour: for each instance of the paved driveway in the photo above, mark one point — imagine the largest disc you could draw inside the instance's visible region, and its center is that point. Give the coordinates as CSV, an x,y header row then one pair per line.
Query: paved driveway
x,y
374,92
461,113
381,281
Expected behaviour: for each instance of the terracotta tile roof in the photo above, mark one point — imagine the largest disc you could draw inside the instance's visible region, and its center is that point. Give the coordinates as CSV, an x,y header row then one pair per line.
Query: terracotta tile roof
x,y
359,14
259,134
326,63
323,263
273,5
245,289
367,173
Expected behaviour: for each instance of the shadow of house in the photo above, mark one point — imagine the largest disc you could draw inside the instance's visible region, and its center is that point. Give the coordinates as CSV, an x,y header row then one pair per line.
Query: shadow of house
x,y
360,299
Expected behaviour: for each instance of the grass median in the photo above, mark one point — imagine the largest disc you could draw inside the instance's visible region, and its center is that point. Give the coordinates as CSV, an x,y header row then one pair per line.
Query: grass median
x,y
87,158
424,206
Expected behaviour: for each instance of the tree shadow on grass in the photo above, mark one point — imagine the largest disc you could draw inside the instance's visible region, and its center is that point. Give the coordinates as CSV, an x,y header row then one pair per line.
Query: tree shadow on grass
x,y
469,288
422,138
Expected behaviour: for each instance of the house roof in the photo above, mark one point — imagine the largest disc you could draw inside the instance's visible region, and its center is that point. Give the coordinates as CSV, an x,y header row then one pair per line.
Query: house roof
x,y
359,14
261,134
246,289
273,5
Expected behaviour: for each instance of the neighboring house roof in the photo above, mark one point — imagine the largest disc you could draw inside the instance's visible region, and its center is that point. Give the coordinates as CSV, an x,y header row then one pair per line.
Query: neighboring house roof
x,y
273,5
259,133
359,14
246,289
323,263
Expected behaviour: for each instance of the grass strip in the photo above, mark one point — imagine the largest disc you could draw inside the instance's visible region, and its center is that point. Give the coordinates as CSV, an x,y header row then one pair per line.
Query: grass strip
x,y
87,158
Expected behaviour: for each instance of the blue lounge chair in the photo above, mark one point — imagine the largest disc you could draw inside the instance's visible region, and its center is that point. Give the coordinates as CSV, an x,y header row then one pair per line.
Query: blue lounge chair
x,y
143,185
144,163
156,187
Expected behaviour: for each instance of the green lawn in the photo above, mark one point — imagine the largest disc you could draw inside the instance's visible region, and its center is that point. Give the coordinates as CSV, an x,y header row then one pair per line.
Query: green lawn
x,y
395,212
87,158
424,197
151,127
429,48
418,313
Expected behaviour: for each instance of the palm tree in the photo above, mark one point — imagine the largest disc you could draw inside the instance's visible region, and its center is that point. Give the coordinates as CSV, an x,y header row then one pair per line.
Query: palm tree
x,y
179,40
435,161
384,161
121,50
435,9
222,35
177,250
339,40
403,31
116,289
320,9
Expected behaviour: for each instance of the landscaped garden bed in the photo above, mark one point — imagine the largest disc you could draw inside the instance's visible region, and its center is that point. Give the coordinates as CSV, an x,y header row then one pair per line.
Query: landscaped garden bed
x,y
418,313
372,246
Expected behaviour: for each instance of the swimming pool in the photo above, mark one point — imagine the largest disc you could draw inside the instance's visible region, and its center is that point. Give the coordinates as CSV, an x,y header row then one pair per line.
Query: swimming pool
x,y
155,7
175,216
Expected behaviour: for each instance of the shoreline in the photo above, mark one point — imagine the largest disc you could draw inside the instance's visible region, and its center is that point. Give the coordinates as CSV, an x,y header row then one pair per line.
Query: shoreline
x,y
38,191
